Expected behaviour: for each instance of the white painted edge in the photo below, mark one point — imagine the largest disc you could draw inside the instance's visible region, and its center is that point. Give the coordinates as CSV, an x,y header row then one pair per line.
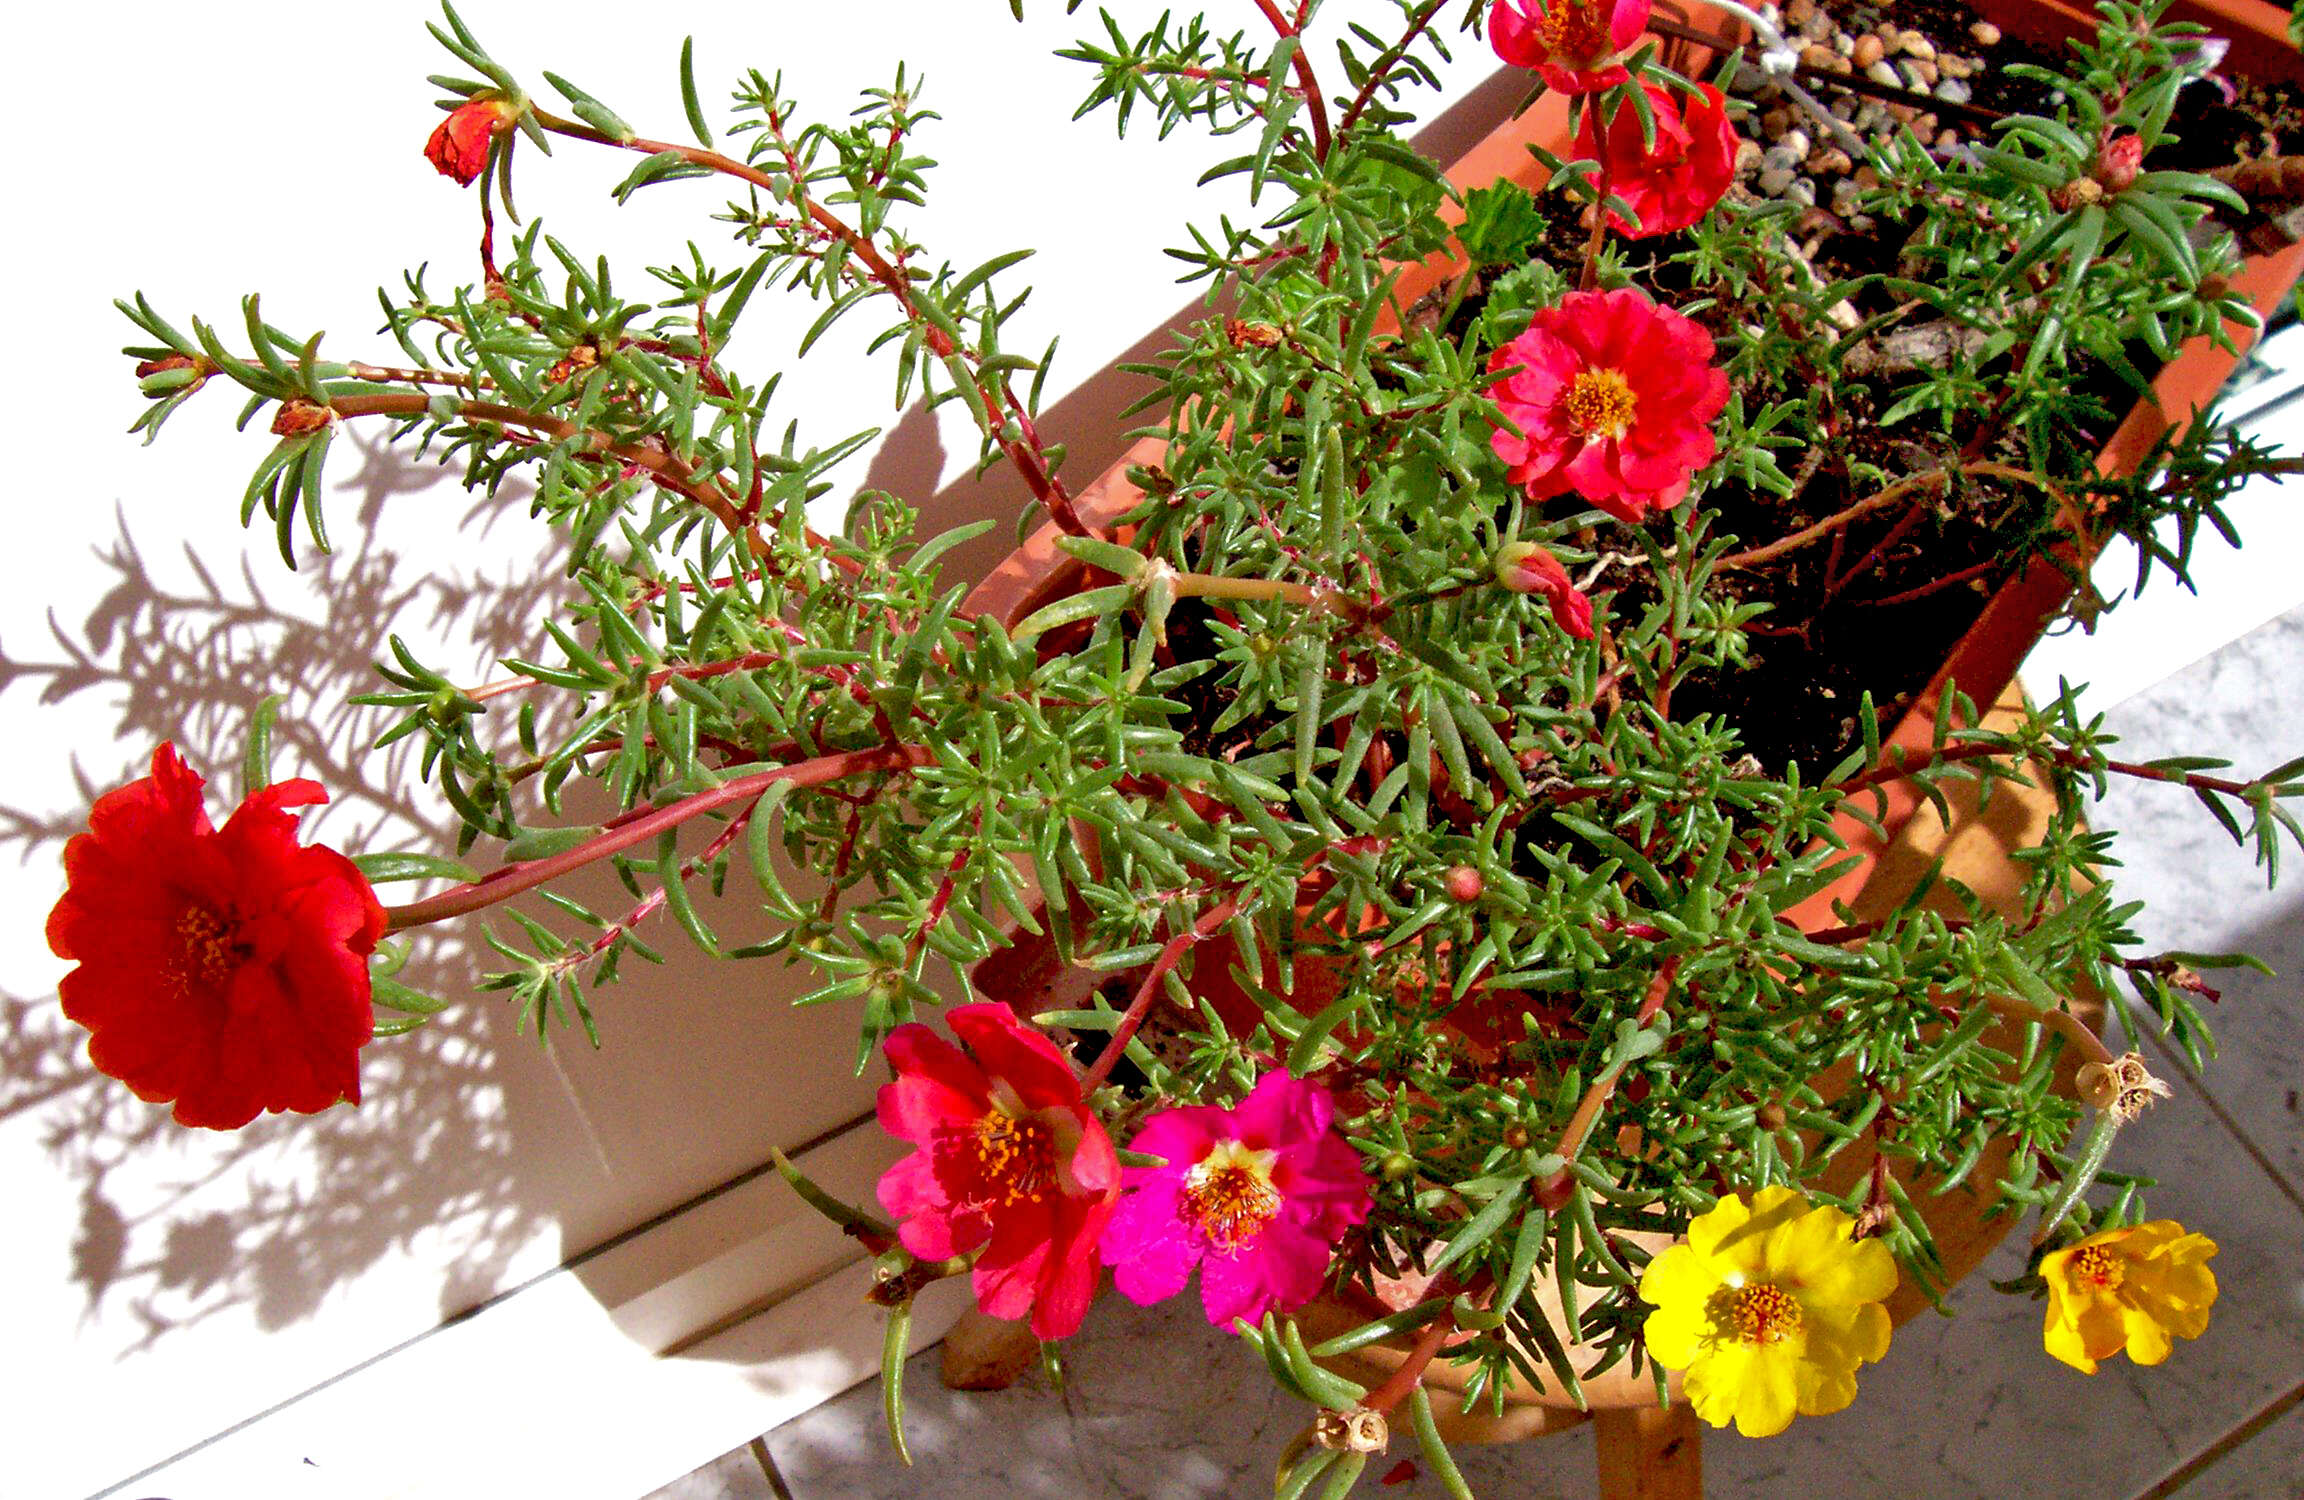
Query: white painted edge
x,y
565,1386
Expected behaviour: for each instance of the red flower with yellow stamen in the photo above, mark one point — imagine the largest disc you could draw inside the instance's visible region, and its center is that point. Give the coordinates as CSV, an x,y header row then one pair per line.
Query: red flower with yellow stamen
x,y
1672,180
1010,1161
459,147
1255,1196
1614,398
223,969
1575,44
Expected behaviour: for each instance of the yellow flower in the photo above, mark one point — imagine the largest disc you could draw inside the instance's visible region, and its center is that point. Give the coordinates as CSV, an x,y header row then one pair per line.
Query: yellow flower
x,y
1769,1307
2127,1289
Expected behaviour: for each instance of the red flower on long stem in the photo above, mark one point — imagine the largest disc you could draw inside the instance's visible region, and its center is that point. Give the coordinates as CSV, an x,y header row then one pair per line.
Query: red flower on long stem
x,y
459,147
1010,1160
1575,44
224,969
1674,179
1614,398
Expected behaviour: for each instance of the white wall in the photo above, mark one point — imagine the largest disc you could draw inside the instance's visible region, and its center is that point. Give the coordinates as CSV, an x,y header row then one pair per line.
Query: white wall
x,y
163,1285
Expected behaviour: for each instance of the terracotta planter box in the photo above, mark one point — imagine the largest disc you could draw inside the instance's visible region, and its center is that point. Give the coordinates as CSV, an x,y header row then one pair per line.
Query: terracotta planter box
x,y
1982,665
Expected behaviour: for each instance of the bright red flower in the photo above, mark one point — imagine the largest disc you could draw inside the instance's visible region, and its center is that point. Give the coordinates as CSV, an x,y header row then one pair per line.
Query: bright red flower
x,y
1009,1159
1574,44
1526,568
1674,181
225,969
459,147
1615,400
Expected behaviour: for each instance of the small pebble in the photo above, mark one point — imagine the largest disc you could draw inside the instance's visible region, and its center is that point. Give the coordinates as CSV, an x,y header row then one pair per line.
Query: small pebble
x,y
1802,192
1748,157
1818,57
1869,115
1910,73
1778,159
1954,66
1867,52
1750,78
1866,177
1953,91
1949,140
1833,162
1843,44
1863,223
1985,33
1843,109
1774,122
1796,142
1918,46
1885,76
1775,181
1800,12
1845,192
1926,72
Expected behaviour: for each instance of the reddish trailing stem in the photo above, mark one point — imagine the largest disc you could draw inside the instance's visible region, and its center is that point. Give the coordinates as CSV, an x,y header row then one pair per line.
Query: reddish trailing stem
x,y
1170,956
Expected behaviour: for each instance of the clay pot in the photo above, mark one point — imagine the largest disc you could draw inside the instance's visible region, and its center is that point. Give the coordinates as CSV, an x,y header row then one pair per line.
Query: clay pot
x,y
1982,665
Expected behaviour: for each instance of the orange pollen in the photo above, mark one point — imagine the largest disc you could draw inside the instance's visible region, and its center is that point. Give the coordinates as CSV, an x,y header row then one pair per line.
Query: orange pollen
x,y
1014,1160
1762,1314
1230,1201
211,951
2098,1267
1574,31
1600,404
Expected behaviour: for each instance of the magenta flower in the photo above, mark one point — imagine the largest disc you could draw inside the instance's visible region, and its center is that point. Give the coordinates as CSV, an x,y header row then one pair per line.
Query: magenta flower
x,y
1255,1196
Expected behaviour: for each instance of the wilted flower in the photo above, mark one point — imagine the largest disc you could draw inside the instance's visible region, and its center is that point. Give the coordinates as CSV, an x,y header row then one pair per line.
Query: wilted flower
x,y
458,148
1614,399
1009,1159
1526,568
224,969
2127,1288
1574,44
1256,1196
1674,179
1769,1306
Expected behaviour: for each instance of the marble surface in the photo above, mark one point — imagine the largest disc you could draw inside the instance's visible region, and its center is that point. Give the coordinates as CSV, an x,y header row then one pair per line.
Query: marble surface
x,y
1160,1406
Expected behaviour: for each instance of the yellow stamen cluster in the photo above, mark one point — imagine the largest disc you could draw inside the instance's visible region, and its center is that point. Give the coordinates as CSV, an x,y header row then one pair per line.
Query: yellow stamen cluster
x,y
1574,30
1761,1314
1229,1195
1600,404
209,951
1015,1159
2098,1267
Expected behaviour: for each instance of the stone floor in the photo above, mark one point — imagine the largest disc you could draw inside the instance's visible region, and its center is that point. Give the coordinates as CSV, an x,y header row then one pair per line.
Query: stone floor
x,y
1160,1407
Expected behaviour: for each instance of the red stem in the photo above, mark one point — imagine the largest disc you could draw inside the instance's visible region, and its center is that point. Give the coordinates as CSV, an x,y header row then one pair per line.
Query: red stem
x,y
1305,80
512,879
1170,956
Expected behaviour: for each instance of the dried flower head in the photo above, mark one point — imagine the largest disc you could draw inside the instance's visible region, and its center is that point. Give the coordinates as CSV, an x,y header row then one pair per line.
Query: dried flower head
x,y
2124,1087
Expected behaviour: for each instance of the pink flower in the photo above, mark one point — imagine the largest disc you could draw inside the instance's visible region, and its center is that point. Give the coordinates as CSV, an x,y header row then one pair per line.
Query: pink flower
x,y
1674,180
1256,1196
1615,400
1009,1159
1525,568
1574,44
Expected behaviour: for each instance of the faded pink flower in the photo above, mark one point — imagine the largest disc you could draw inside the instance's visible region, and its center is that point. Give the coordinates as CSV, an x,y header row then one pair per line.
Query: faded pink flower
x,y
1614,398
1525,568
1574,44
1255,1196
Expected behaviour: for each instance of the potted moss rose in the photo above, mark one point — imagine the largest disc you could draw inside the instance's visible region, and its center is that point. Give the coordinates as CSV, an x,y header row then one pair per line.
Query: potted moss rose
x,y
1404,858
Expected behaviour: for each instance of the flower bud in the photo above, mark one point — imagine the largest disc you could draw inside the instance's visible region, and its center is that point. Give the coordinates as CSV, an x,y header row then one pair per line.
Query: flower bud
x,y
2118,161
1464,885
298,416
177,372
459,147
1525,568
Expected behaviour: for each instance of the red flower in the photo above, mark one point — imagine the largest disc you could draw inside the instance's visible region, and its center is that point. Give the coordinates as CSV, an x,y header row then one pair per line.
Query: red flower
x,y
459,147
1009,1158
1675,181
1526,568
1615,400
225,969
1574,44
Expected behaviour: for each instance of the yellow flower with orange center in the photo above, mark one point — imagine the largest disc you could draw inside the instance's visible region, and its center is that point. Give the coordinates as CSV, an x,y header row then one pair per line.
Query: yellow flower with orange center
x,y
2127,1289
1768,1307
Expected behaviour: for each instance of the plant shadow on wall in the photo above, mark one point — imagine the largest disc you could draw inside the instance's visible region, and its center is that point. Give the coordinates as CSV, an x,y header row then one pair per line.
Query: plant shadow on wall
x,y
180,1225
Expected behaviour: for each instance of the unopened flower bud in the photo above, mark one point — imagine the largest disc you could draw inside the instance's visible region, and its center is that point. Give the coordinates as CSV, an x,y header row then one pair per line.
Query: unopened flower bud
x,y
176,372
1464,885
1244,335
298,416
2118,161
1525,568
459,147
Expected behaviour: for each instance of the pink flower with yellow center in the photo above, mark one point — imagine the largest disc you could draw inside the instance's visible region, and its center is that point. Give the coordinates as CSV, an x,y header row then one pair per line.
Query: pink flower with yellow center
x,y
1255,1197
1575,44
1010,1161
1614,398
